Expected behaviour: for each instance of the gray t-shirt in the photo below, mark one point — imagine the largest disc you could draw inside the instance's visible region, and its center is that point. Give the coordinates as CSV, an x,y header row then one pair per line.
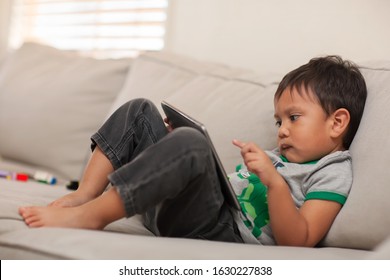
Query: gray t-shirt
x,y
329,178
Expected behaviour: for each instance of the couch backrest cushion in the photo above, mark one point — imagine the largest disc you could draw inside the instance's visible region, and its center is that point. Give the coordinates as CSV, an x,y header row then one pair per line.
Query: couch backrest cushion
x,y
154,79
51,102
364,221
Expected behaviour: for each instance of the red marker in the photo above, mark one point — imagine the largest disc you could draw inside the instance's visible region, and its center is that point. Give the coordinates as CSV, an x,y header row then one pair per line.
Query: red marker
x,y
13,176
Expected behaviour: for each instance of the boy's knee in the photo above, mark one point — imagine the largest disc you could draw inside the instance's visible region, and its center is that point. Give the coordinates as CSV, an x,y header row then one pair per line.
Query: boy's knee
x,y
137,103
136,107
190,137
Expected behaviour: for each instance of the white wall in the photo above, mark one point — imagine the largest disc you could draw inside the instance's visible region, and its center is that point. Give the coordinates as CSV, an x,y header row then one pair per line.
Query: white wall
x,y
278,35
270,35
5,11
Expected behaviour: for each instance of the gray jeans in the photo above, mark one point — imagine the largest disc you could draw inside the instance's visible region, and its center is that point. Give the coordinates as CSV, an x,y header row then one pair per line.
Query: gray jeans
x,y
169,178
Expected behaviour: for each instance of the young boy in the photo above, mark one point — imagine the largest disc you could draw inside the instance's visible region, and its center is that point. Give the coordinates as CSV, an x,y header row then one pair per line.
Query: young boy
x,y
289,196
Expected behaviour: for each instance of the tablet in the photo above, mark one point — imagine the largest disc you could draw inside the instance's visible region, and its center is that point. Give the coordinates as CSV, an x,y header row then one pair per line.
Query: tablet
x,y
178,118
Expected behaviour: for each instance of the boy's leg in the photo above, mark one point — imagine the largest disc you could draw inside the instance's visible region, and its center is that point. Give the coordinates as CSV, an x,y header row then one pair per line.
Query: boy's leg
x,y
176,184
92,184
132,128
136,125
174,181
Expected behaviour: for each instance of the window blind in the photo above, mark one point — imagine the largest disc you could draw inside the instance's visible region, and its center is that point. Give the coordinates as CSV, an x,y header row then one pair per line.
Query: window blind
x,y
101,28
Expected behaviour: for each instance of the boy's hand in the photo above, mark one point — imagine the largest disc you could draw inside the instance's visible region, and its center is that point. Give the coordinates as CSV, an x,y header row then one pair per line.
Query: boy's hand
x,y
169,124
257,161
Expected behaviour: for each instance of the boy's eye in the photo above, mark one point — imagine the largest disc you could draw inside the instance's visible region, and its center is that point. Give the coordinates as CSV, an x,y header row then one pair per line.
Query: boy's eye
x,y
278,123
294,117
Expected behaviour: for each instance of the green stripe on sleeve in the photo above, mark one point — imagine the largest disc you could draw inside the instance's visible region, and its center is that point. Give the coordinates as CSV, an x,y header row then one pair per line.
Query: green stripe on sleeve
x,y
327,196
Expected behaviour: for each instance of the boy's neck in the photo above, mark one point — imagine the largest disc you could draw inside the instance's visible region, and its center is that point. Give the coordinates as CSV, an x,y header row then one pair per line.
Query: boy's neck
x,y
284,159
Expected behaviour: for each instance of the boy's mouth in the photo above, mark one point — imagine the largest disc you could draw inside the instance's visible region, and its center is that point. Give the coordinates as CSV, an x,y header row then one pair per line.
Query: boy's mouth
x,y
284,147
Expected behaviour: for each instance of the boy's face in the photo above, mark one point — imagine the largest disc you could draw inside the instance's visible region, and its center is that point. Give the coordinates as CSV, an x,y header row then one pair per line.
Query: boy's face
x,y
304,128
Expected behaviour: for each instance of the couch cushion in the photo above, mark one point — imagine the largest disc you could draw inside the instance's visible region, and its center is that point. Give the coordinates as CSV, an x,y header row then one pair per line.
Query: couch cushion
x,y
17,241
51,102
123,239
156,76
61,243
153,77
364,221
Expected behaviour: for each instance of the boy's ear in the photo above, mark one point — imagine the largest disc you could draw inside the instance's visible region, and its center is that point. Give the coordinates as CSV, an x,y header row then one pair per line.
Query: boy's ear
x,y
340,122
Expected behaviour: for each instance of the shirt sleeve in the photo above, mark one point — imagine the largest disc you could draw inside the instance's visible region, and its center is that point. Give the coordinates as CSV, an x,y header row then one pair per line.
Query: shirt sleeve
x,y
332,180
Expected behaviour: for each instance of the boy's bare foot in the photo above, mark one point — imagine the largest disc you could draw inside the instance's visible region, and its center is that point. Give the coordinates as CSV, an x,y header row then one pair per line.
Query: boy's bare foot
x,y
74,217
95,214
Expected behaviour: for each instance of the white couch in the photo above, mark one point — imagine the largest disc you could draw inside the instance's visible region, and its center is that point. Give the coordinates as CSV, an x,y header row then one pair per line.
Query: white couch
x,y
51,101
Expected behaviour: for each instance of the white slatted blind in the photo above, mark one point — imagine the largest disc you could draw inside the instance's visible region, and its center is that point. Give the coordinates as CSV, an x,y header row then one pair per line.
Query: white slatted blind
x,y
101,28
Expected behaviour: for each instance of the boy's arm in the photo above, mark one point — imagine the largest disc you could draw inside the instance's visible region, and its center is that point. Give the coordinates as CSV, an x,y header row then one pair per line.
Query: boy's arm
x,y
290,226
298,227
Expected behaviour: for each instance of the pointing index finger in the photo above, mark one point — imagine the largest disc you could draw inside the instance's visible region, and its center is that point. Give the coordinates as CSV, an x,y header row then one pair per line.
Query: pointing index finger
x,y
238,143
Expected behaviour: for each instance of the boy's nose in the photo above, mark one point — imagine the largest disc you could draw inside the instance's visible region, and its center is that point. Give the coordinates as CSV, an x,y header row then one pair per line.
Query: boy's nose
x,y
283,131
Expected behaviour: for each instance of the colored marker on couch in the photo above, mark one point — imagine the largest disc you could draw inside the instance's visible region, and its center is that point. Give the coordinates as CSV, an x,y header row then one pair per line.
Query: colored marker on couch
x,y
44,177
16,176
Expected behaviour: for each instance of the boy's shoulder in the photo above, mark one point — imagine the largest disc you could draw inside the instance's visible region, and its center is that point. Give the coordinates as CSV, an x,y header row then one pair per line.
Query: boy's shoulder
x,y
337,163
329,178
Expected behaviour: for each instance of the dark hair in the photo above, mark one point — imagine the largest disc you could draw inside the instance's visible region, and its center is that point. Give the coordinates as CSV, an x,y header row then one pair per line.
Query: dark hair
x,y
336,83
